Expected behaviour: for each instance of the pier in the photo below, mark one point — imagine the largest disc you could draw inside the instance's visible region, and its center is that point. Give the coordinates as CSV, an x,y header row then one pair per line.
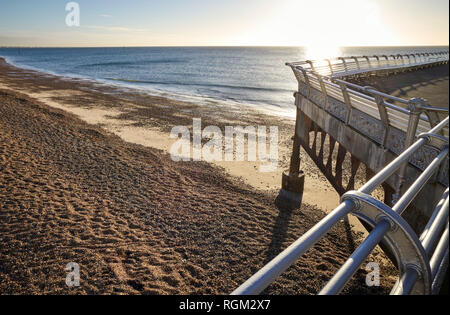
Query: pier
x,y
402,145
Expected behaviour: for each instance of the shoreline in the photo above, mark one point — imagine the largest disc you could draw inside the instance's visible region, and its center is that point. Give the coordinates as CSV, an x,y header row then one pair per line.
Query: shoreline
x,y
202,100
130,119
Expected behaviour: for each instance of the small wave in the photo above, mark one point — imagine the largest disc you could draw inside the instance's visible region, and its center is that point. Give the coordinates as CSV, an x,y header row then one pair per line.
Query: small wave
x,y
132,63
201,85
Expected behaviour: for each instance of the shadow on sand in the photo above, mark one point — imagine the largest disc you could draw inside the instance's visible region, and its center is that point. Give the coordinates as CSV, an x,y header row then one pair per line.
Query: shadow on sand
x,y
286,207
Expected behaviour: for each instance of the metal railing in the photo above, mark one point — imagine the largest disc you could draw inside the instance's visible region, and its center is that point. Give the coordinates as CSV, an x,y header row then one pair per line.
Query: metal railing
x,y
346,66
375,103
414,118
422,262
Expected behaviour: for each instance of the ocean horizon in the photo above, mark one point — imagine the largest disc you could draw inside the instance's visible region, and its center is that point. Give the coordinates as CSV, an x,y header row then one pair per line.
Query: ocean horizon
x,y
250,76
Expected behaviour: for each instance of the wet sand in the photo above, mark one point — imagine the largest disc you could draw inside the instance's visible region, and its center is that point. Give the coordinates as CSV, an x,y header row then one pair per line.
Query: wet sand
x,y
135,221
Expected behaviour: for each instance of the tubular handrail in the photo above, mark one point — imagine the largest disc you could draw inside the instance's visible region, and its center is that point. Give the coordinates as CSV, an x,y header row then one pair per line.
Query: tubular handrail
x,y
419,275
425,108
374,92
434,224
352,85
334,65
371,90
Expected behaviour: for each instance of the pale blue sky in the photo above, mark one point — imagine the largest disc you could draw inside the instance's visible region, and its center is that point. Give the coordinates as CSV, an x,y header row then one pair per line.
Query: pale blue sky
x,y
226,22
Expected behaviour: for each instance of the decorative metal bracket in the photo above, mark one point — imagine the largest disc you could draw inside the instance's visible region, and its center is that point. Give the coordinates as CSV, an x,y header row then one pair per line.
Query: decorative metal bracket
x,y
401,238
436,141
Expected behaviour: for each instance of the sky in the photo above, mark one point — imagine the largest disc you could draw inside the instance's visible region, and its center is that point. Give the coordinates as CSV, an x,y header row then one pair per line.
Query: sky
x,y
314,23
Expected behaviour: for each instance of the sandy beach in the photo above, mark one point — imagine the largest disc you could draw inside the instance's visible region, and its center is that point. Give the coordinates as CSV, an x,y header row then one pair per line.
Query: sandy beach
x,y
147,120
86,177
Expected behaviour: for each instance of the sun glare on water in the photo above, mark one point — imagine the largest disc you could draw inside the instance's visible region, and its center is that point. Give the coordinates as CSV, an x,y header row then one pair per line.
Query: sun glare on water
x,y
320,51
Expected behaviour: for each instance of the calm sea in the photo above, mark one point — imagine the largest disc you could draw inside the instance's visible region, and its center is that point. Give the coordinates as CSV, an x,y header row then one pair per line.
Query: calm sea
x,y
254,76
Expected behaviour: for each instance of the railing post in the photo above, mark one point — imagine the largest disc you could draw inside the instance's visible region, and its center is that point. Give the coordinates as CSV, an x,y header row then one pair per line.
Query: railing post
x,y
331,66
311,64
394,57
415,107
368,62
378,60
421,57
357,62
409,60
324,90
348,102
344,62
387,60
308,84
384,119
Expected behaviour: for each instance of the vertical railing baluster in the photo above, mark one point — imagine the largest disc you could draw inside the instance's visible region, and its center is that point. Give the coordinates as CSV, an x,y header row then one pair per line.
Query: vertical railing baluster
x,y
311,64
369,64
308,83
415,106
344,62
330,66
384,117
357,62
378,60
324,90
347,101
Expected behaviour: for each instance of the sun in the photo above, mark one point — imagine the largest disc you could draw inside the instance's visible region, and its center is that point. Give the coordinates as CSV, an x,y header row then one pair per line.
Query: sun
x,y
320,25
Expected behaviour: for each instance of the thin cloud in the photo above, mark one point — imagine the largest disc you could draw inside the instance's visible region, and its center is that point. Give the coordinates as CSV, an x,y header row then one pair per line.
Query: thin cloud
x,y
106,16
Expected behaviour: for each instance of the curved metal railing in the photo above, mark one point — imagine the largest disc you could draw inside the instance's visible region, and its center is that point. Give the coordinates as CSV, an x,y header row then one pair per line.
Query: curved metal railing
x,y
422,262
346,66
415,117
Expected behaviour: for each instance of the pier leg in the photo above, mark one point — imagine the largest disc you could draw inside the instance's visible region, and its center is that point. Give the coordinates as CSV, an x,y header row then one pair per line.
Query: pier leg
x,y
294,178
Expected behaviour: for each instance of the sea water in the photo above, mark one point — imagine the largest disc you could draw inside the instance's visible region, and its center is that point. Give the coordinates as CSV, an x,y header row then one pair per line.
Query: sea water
x,y
252,76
